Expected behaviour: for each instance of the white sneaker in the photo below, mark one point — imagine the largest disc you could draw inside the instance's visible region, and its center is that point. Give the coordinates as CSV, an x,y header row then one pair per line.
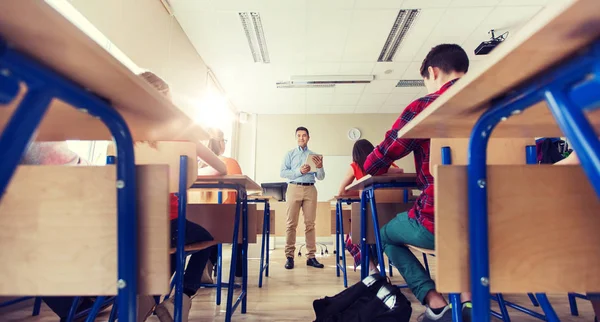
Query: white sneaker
x,y
146,305
166,310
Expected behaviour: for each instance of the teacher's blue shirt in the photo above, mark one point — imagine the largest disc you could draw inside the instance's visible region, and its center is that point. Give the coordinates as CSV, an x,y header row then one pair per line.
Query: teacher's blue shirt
x,y
290,168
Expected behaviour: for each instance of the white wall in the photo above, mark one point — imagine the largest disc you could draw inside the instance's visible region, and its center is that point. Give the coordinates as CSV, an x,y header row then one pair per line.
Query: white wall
x,y
264,140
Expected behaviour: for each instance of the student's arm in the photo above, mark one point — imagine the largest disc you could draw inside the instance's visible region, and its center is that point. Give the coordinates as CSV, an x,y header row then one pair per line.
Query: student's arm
x,y
286,169
392,148
346,181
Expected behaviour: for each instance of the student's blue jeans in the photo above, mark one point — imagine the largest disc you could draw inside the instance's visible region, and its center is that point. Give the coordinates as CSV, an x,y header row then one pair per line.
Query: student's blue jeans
x,y
398,233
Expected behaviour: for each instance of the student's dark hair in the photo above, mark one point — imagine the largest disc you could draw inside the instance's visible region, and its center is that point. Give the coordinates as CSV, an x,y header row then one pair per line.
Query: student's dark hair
x,y
361,150
447,57
302,128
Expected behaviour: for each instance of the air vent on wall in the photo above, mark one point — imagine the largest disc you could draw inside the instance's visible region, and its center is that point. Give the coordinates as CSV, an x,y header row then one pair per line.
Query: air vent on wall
x,y
404,21
253,29
410,83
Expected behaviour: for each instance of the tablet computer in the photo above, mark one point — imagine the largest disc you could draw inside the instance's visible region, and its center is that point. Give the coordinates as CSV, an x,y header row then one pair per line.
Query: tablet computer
x,y
311,163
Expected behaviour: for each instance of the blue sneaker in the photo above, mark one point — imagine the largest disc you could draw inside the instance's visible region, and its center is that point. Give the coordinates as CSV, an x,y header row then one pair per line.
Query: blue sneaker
x,y
430,316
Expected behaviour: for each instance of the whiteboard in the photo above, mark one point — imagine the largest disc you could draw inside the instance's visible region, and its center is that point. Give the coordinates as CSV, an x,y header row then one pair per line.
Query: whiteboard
x,y
335,169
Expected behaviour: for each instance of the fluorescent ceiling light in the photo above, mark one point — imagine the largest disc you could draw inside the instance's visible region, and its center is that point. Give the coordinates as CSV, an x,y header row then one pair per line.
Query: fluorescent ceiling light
x,y
404,20
255,35
332,79
410,83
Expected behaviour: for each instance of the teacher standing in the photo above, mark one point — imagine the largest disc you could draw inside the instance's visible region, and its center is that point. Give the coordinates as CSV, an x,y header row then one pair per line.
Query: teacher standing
x,y
301,193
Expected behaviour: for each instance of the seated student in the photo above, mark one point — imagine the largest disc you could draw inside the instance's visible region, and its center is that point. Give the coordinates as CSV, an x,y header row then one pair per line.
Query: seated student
x,y
440,69
593,297
360,151
216,144
193,234
56,153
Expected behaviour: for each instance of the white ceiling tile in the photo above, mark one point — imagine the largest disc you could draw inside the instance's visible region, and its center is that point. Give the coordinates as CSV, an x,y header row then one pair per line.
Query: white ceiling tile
x,y
326,32
396,70
461,21
474,3
356,68
369,30
372,99
526,2
320,90
322,68
283,71
381,86
317,99
329,4
378,4
341,109
407,90
367,109
391,109
399,99
191,5
345,99
413,71
285,34
349,88
416,4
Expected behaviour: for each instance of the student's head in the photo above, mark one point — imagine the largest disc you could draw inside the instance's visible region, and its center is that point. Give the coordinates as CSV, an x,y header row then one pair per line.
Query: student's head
x,y
158,83
442,64
217,142
362,148
302,136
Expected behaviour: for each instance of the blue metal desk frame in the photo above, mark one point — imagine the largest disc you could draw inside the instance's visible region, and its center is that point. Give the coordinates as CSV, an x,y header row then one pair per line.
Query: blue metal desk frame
x,y
241,210
266,235
43,86
339,237
570,88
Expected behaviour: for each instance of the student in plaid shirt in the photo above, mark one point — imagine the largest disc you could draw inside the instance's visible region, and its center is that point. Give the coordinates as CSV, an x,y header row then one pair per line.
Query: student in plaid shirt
x,y
441,68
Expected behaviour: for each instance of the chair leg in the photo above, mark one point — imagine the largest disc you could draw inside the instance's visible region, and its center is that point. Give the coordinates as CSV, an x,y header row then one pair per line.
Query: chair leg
x,y
37,306
113,312
219,272
503,309
73,309
426,262
533,299
573,305
390,266
456,307
547,307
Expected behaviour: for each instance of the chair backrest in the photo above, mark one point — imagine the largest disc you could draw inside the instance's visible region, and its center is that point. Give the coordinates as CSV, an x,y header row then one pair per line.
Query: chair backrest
x,y
166,152
59,231
219,220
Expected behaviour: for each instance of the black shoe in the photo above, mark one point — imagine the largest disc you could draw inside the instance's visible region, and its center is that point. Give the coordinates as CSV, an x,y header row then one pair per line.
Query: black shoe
x,y
289,263
314,263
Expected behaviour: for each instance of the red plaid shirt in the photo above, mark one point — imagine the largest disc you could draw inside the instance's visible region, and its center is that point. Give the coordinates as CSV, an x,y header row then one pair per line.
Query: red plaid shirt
x,y
392,148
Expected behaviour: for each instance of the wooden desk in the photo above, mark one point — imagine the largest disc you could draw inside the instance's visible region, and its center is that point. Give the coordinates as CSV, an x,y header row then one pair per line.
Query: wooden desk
x,y
557,32
368,181
238,180
56,43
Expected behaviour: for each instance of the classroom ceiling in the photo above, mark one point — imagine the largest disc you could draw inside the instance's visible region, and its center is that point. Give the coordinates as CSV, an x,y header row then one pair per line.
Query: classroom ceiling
x,y
336,37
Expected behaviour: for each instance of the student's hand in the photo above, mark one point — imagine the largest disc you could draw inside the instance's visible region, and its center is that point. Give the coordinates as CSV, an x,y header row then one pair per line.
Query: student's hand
x,y
305,169
318,161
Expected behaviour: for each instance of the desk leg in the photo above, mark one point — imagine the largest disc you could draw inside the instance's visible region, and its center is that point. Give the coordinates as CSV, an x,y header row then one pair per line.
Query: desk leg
x,y
180,251
219,272
343,248
231,287
262,246
244,294
337,239
378,245
547,307
268,207
364,248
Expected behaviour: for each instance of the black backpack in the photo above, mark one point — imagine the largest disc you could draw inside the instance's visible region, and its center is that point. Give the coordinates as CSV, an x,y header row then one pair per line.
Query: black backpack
x,y
373,299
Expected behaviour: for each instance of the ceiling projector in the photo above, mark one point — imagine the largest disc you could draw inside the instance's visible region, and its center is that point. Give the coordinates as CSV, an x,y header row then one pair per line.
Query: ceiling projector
x,y
487,46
